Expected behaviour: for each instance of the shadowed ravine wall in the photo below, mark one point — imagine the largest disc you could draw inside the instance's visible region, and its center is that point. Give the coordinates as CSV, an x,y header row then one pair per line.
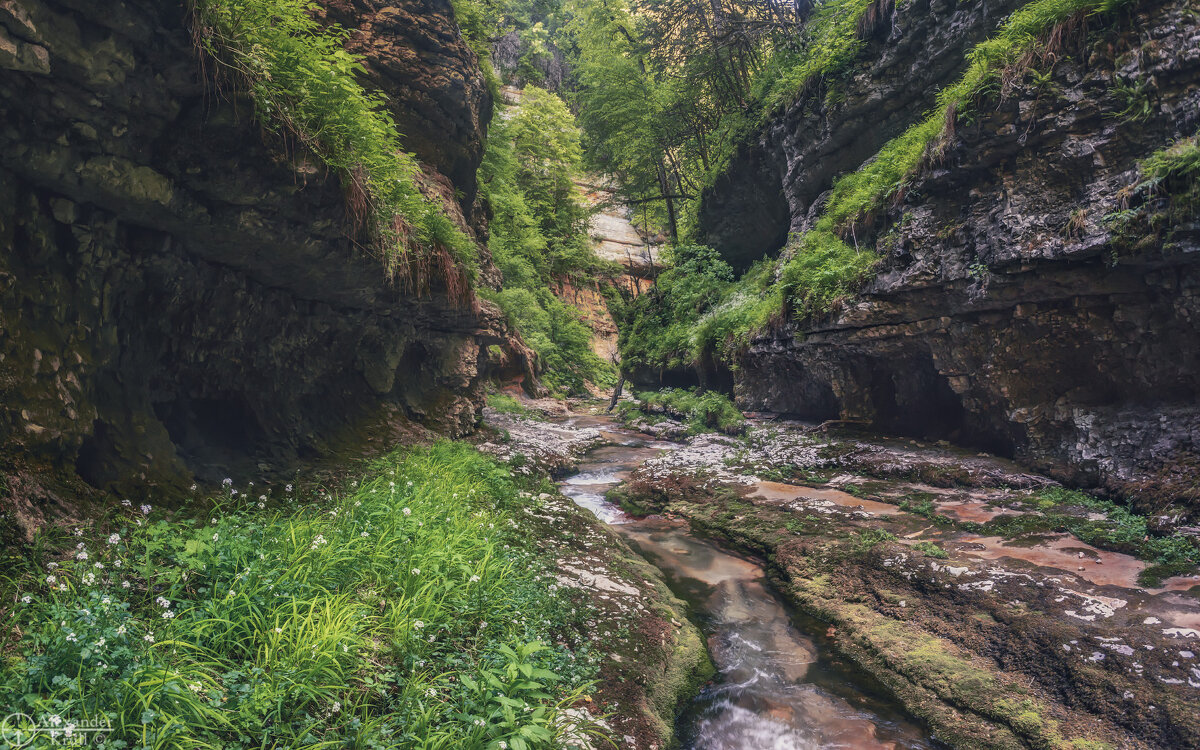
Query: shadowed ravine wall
x,y
1005,314
177,297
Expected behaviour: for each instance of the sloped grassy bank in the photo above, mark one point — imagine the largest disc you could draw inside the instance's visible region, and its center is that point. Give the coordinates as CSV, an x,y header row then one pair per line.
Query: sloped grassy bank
x,y
418,605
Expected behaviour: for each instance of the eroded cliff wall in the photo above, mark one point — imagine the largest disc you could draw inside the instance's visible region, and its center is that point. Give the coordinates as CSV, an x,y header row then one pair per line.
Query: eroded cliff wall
x,y
178,296
1009,311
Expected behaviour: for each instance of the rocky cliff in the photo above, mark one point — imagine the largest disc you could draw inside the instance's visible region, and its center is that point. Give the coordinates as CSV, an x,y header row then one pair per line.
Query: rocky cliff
x,y
179,296
1011,310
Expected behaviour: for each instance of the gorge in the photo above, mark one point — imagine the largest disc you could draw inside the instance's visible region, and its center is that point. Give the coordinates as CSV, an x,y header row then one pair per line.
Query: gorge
x,y
600,373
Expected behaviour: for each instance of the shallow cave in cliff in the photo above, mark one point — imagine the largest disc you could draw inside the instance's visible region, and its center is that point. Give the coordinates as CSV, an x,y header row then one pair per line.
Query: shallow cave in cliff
x,y
212,433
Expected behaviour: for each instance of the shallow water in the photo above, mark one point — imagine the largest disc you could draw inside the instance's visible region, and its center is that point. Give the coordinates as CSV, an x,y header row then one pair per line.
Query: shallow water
x,y
778,686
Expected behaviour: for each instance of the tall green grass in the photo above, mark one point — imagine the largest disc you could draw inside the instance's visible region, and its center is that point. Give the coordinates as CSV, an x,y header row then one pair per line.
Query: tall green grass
x,y
409,610
305,85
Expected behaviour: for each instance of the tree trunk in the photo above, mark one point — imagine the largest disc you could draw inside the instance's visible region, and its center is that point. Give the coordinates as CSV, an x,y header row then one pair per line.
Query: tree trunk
x,y
616,394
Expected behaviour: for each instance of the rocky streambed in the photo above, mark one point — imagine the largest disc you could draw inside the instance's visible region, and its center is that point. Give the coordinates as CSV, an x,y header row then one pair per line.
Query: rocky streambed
x,y
914,594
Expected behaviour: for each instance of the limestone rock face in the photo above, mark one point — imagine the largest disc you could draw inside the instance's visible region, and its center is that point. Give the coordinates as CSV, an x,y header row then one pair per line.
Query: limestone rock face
x,y
1006,314
413,50
178,299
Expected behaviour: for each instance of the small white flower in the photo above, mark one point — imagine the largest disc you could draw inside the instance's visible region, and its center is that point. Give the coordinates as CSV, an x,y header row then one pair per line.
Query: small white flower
x,y
71,638
106,601
364,535
474,579
120,630
163,602
124,584
69,730
168,615
78,531
98,565
502,745
336,707
62,587
100,643
227,481
409,483
81,555
407,512
418,624
116,563
193,488
216,537
126,503
55,720
145,510
51,579
89,579
148,637
278,630
288,488
416,571
26,599
114,538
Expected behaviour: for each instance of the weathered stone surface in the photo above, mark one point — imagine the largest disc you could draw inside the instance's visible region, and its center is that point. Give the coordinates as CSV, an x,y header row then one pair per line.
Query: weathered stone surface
x,y
999,317
774,179
414,51
176,298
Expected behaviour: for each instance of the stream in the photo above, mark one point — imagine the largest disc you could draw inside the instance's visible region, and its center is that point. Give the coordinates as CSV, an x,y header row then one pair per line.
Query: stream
x,y
778,684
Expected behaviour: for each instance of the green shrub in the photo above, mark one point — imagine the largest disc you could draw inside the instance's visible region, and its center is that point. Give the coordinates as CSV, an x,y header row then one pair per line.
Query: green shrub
x,y
409,610
929,549
702,410
303,84
829,46
866,540
822,271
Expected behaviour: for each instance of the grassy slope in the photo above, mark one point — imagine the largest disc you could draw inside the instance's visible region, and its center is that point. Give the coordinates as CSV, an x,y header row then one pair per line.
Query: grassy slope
x,y
409,609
